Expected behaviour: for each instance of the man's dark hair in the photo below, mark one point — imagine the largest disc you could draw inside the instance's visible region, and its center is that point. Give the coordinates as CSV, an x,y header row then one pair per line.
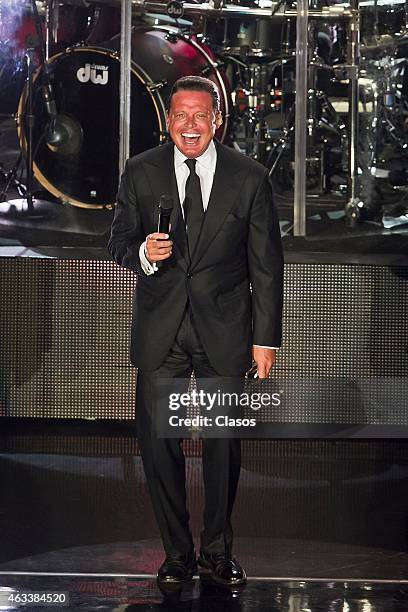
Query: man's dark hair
x,y
197,83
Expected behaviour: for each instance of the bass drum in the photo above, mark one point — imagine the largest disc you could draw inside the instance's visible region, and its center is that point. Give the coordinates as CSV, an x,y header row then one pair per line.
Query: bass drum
x,y
166,54
80,166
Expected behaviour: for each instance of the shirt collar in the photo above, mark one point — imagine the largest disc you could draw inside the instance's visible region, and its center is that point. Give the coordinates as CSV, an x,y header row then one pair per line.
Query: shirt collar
x,y
207,159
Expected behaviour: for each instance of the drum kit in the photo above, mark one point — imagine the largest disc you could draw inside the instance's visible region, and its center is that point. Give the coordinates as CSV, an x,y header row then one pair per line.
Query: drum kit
x,y
247,48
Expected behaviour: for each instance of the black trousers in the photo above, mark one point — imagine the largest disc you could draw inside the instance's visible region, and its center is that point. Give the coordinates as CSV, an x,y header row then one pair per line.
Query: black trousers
x,y
164,461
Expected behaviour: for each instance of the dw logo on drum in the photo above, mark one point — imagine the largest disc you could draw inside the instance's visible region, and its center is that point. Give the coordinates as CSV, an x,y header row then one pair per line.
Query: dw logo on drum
x,y
175,9
98,75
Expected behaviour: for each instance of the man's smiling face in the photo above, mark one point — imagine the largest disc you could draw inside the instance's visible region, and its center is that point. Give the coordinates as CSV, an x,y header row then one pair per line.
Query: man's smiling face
x,y
192,121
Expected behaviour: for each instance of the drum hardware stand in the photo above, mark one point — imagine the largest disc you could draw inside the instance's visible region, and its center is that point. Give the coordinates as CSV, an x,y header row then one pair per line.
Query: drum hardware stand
x,y
384,103
278,6
51,15
282,144
62,133
10,178
286,42
406,17
28,206
354,205
156,86
320,115
381,125
319,106
256,79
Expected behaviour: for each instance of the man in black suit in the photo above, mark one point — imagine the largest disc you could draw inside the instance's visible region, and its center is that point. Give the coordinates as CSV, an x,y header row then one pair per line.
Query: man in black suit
x,y
195,311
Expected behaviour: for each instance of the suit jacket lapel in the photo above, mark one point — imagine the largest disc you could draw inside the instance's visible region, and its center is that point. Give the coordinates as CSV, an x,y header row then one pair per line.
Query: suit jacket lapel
x,y
225,189
162,180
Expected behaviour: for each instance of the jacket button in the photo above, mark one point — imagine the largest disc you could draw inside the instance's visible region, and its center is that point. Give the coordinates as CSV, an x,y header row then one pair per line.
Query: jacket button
x,y
189,275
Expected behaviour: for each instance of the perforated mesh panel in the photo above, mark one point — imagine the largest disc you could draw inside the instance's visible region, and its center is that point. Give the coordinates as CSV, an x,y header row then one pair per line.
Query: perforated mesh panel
x,y
65,328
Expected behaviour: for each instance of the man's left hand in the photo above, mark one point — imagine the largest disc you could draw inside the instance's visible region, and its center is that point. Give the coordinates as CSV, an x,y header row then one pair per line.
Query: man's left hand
x,y
264,359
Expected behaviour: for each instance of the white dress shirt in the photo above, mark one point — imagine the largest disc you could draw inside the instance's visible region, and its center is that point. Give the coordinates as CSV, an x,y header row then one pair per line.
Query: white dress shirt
x,y
205,169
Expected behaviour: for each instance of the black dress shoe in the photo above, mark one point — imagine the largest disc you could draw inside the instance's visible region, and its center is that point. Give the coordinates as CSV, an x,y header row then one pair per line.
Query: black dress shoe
x,y
224,570
176,571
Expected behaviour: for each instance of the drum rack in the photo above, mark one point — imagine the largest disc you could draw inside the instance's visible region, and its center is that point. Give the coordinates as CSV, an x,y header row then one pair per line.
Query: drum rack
x,y
348,17
351,69
207,10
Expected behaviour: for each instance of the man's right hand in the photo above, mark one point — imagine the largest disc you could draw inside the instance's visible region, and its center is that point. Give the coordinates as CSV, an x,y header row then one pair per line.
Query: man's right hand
x,y
158,247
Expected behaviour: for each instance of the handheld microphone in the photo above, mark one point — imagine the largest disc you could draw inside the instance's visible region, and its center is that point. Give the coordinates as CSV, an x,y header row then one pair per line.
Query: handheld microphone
x,y
165,208
163,224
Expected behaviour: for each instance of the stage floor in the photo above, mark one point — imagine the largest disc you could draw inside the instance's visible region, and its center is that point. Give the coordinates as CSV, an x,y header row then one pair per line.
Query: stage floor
x,y
120,593
319,525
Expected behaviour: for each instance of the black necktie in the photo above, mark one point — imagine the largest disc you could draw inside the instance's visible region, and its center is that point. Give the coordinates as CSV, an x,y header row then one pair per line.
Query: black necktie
x,y
193,206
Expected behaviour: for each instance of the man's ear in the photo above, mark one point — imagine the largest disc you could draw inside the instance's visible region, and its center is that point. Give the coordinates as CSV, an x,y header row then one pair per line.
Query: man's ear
x,y
218,119
167,119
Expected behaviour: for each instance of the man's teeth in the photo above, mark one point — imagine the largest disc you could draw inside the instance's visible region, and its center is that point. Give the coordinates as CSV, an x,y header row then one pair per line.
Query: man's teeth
x,y
190,135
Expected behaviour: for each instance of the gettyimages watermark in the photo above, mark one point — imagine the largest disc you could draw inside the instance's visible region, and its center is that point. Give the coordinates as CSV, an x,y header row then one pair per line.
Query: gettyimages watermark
x,y
212,407
208,400
287,406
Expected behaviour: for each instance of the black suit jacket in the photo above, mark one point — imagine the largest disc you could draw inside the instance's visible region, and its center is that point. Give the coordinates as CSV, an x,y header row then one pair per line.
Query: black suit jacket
x,y
239,246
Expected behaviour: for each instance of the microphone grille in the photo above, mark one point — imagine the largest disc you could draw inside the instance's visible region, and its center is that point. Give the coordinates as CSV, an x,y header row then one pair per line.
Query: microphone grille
x,y
166,202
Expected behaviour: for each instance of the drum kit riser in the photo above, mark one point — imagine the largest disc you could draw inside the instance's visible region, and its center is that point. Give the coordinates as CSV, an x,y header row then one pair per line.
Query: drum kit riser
x,y
248,51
